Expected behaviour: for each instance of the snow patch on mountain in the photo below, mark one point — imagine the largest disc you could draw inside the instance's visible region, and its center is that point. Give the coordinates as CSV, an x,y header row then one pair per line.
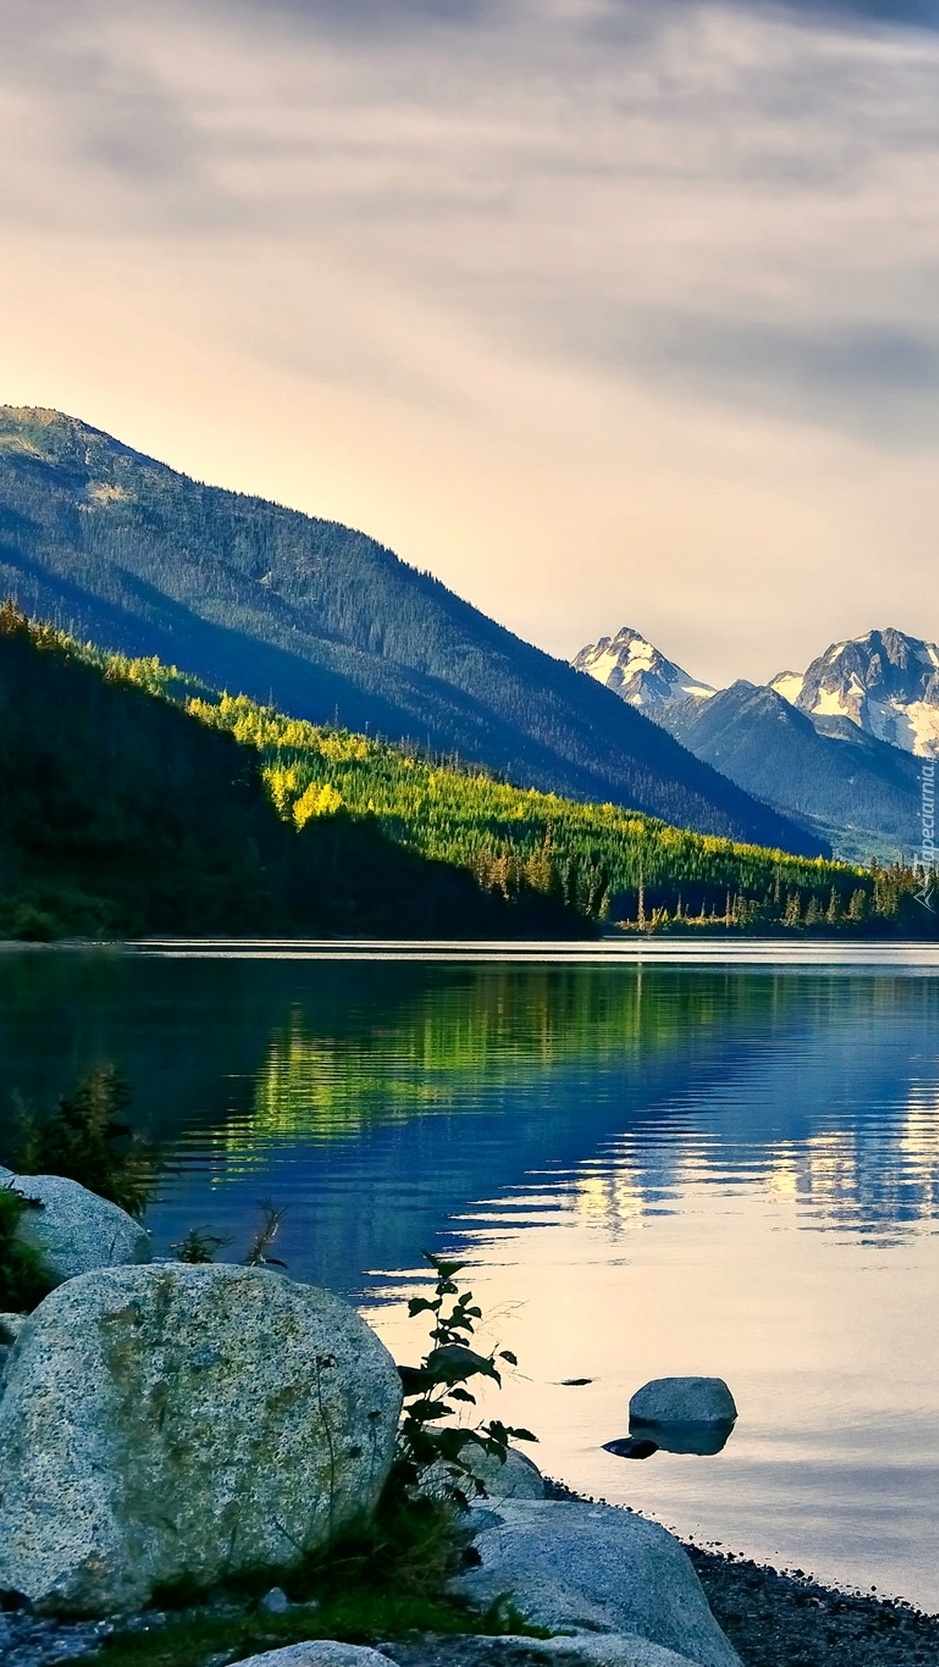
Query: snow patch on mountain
x,y
636,671
789,684
885,683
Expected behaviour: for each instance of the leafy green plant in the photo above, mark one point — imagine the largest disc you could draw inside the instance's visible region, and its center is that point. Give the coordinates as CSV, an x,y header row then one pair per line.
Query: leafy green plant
x,y
88,1140
259,1250
23,1277
436,1391
32,925
198,1246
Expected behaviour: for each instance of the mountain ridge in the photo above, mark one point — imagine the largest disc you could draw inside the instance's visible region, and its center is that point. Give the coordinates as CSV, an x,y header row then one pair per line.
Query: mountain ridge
x,y
885,682
247,594
637,671
818,745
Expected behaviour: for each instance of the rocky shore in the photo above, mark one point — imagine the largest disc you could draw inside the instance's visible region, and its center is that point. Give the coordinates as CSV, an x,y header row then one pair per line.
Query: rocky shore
x,y
776,1618
771,1617
184,1427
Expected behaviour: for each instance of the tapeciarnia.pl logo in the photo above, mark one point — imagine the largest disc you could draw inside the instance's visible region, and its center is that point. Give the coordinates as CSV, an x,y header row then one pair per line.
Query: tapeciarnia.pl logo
x,y
927,855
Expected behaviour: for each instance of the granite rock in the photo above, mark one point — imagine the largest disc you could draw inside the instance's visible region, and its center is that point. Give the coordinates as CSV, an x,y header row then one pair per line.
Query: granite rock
x,y
517,1478
683,1401
76,1231
184,1422
593,1568
320,1652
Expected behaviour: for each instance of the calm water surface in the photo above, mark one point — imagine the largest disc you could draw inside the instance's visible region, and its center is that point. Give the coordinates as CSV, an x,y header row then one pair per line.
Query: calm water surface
x,y
682,1162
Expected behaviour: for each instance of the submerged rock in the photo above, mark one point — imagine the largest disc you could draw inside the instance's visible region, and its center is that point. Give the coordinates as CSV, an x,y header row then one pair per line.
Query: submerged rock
x,y
76,1231
683,1401
184,1422
595,1569
274,1602
631,1447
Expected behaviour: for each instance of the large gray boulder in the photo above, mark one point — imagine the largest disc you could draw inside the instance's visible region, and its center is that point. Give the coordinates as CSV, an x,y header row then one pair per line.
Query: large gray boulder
x,y
320,1652
168,1422
593,1568
76,1230
516,1478
683,1401
610,1650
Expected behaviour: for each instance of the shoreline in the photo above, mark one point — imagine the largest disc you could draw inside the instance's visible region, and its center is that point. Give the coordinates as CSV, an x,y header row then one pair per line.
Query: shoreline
x,y
785,1618
772,1617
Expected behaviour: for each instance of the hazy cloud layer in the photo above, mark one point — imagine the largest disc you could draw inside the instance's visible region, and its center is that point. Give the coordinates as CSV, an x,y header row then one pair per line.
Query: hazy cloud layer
x,y
605,311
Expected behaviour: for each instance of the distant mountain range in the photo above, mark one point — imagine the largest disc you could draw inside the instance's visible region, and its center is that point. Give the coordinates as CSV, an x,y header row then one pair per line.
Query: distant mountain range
x,y
835,746
245,594
886,683
638,672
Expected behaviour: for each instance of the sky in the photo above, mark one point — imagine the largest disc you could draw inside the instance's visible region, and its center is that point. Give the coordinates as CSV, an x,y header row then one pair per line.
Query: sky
x,y
605,311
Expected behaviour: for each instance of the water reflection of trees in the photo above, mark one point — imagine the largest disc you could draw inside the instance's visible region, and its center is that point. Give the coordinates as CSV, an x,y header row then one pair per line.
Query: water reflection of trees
x,y
833,1182
843,1132
496,1027
639,1082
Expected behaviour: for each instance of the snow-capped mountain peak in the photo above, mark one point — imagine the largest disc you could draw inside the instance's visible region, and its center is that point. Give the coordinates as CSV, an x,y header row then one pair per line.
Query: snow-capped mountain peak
x,y
885,682
636,671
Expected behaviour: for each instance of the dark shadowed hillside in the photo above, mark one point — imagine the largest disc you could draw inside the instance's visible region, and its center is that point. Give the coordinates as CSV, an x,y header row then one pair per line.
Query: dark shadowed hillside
x,y
119,813
250,596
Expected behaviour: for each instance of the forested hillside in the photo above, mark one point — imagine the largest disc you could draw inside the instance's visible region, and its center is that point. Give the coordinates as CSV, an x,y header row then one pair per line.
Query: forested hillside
x,y
120,814
607,863
329,624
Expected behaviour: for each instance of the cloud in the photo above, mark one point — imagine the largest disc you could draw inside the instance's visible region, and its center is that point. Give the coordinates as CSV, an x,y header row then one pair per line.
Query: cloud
x,y
877,382
584,255
896,13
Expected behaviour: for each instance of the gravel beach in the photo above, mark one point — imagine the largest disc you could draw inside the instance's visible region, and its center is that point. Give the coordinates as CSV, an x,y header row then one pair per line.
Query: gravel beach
x,y
773,1618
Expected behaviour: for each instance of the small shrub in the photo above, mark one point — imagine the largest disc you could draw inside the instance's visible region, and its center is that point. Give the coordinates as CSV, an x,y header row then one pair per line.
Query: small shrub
x,y
198,1246
32,925
23,1277
201,1246
259,1249
86,1139
436,1390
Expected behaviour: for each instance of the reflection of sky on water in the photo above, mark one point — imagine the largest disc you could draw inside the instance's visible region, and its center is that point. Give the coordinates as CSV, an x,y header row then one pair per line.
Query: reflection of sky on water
x,y
651,1171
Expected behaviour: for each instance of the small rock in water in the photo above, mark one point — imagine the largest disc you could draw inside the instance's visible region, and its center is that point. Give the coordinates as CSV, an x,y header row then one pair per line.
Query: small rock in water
x,y
631,1447
683,1401
275,1602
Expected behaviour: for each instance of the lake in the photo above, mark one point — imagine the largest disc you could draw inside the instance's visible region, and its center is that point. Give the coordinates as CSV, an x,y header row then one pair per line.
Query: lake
x,y
657,1159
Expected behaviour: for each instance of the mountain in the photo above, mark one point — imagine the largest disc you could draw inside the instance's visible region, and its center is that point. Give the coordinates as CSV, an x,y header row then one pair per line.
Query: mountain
x,y
860,793
327,623
121,813
806,745
885,683
636,671
488,854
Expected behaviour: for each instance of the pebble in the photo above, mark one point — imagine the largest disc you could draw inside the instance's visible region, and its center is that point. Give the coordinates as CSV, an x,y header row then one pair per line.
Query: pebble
x,y
274,1602
28,1640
